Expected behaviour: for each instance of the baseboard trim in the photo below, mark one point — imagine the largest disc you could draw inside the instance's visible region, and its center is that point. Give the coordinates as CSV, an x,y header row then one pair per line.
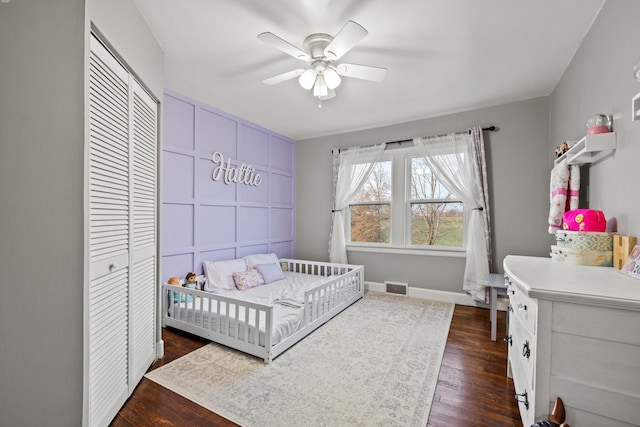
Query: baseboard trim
x,y
436,295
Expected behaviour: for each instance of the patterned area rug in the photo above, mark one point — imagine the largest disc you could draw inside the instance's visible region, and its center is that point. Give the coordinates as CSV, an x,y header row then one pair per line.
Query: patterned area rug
x,y
375,364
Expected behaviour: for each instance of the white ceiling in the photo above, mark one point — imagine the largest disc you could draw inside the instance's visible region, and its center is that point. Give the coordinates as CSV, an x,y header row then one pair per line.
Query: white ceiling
x,y
442,56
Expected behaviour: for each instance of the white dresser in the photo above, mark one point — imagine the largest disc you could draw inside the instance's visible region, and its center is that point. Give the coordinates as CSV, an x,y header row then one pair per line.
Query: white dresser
x,y
574,333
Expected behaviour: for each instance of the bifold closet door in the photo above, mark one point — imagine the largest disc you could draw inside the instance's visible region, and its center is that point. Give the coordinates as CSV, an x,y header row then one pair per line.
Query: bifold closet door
x,y
123,235
142,286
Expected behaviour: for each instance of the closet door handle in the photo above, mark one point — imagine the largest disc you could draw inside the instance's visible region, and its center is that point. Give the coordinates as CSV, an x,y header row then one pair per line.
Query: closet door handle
x,y
522,307
112,267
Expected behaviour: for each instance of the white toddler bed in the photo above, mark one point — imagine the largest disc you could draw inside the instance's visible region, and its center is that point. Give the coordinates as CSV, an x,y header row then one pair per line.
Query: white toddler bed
x,y
310,294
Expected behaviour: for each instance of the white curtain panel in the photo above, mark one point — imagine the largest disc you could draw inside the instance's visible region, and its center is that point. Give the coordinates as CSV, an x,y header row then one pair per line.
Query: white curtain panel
x,y
452,157
355,166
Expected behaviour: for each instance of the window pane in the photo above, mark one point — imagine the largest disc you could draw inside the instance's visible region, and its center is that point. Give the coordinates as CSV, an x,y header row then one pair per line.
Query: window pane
x,y
438,224
378,186
424,184
370,223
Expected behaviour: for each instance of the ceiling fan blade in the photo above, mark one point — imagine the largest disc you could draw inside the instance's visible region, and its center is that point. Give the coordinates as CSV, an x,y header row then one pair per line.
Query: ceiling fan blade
x,y
347,37
284,76
365,72
283,45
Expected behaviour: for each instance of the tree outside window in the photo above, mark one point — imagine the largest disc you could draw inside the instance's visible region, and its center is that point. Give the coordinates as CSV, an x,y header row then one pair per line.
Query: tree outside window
x,y
370,210
437,215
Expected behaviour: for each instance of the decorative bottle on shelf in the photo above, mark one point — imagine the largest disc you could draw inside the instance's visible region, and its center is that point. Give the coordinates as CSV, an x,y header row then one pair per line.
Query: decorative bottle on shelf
x,y
598,123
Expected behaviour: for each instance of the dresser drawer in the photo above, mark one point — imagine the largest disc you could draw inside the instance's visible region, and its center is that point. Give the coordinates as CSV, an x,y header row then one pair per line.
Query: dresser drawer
x,y
522,351
523,308
523,391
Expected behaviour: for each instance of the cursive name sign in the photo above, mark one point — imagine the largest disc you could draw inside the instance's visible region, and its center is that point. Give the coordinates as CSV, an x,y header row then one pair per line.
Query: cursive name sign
x,y
243,174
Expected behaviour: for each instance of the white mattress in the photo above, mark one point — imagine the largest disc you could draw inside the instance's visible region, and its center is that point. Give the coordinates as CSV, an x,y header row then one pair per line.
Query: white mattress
x,y
285,296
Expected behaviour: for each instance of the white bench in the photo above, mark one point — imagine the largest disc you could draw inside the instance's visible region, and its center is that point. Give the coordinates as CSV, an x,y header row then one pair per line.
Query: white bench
x,y
497,287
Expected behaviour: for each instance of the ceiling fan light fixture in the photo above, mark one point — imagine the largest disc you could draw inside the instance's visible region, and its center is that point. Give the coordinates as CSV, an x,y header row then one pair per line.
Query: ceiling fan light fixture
x,y
307,79
320,89
331,78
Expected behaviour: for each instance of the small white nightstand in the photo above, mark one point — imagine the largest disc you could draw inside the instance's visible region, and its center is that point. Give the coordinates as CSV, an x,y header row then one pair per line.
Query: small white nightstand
x,y
497,287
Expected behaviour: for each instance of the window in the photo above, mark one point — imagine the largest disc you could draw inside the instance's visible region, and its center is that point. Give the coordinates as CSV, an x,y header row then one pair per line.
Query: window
x,y
436,215
370,210
403,205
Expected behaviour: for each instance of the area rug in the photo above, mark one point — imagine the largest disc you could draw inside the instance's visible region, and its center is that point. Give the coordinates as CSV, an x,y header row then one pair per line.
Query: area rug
x,y
374,364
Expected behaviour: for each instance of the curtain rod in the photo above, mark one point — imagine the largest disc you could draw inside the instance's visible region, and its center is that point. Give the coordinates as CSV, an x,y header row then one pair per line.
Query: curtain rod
x,y
489,129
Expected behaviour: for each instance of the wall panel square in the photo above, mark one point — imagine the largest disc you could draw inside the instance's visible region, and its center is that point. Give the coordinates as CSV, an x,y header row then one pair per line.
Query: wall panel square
x,y
179,123
217,225
252,224
281,189
177,226
282,154
254,146
177,176
176,266
217,132
281,223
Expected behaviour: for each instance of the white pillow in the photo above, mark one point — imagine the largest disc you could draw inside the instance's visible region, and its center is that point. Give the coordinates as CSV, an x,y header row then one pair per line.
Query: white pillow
x,y
220,274
253,260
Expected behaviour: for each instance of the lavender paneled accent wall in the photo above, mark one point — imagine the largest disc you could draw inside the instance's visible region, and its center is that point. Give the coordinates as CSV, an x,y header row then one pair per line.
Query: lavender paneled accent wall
x,y
204,219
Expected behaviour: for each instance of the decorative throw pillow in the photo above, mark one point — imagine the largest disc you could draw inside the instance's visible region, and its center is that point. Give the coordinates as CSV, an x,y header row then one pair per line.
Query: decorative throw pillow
x,y
247,279
254,259
270,272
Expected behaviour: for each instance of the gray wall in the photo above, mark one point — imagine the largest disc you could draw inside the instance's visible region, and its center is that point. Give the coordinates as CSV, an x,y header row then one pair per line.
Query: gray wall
x,y
599,80
517,157
42,141
41,251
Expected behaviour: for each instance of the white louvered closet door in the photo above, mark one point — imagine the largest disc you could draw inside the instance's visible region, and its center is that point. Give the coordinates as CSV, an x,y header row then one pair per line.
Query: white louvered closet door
x,y
122,241
142,296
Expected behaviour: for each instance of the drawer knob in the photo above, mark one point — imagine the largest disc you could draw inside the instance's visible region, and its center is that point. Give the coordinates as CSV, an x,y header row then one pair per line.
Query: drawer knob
x,y
526,350
523,398
112,267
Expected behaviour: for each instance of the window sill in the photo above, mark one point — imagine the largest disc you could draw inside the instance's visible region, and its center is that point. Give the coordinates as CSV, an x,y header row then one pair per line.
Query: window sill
x,y
453,253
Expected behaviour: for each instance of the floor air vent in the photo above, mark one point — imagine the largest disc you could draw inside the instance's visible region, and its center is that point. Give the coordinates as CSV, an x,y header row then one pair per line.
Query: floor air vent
x,y
397,288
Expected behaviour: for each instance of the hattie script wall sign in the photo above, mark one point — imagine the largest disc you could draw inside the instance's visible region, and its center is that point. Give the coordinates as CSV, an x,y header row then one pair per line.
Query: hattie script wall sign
x,y
243,174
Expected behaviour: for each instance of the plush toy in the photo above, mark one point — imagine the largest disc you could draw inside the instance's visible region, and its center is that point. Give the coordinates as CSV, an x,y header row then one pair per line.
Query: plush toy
x,y
562,148
556,419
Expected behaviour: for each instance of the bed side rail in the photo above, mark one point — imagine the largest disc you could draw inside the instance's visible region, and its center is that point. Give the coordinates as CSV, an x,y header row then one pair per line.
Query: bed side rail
x,y
228,321
326,300
316,268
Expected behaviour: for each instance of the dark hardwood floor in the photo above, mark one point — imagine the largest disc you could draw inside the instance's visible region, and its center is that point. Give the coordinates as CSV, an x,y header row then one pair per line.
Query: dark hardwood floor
x,y
473,389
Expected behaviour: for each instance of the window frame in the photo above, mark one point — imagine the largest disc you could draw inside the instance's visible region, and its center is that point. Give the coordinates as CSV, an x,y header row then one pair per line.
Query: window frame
x,y
385,158
400,212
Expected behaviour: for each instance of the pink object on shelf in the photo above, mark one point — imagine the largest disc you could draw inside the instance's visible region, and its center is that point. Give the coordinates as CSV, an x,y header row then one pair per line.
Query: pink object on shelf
x,y
584,220
597,129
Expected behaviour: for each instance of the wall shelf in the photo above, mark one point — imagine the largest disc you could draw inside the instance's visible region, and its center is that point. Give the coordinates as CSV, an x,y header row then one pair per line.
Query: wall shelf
x,y
590,149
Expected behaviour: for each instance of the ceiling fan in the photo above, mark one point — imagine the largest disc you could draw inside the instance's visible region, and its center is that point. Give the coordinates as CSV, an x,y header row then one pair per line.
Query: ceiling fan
x,y
320,50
